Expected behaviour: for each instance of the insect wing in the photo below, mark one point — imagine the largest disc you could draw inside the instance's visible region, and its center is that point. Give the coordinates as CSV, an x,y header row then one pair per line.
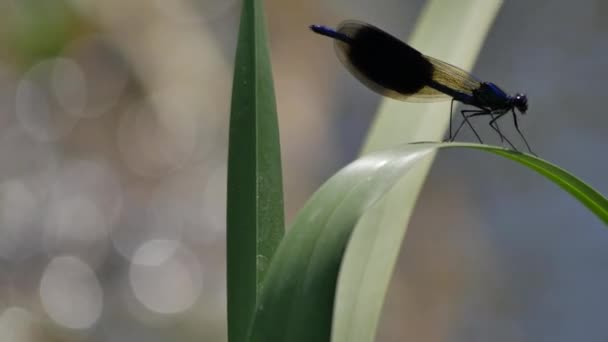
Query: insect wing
x,y
387,65
453,77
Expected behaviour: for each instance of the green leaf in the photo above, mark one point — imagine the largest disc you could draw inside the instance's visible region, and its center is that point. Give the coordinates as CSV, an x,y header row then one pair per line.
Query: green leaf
x,y
296,302
255,218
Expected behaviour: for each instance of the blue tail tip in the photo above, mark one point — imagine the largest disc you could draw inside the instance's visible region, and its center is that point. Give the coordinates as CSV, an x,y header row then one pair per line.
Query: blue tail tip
x,y
317,28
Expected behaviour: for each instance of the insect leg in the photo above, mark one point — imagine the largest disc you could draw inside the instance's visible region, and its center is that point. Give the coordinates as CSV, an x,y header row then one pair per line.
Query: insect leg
x,y
497,129
520,134
465,119
493,122
451,110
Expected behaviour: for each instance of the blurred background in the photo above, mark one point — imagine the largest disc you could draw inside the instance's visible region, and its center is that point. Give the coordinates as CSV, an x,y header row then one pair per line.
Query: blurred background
x,y
113,134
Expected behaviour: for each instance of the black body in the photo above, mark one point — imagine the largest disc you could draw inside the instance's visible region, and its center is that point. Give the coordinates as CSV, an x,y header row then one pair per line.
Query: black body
x,y
392,68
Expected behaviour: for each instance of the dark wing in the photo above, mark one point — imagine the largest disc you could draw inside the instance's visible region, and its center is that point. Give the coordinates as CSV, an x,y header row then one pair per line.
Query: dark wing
x,y
392,68
453,77
387,65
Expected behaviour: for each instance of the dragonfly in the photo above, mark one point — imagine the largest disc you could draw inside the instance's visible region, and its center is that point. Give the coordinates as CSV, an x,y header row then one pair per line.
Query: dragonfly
x,y
394,69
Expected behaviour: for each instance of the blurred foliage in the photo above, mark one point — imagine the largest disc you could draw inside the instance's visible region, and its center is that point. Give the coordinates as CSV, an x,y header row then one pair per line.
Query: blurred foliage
x,y
35,30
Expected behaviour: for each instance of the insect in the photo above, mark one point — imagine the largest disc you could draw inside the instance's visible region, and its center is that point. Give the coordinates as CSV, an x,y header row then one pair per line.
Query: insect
x,y
392,68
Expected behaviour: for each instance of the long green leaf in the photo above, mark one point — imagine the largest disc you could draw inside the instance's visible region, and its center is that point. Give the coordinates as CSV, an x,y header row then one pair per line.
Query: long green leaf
x,y
296,302
255,218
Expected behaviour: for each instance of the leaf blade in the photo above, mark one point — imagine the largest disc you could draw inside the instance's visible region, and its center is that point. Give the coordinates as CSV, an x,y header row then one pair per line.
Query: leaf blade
x,y
296,301
254,218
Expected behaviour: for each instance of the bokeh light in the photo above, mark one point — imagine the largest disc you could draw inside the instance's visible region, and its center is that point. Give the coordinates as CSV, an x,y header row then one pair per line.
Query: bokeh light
x,y
70,293
94,180
17,203
75,225
105,136
165,277
137,226
50,97
19,325
104,72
